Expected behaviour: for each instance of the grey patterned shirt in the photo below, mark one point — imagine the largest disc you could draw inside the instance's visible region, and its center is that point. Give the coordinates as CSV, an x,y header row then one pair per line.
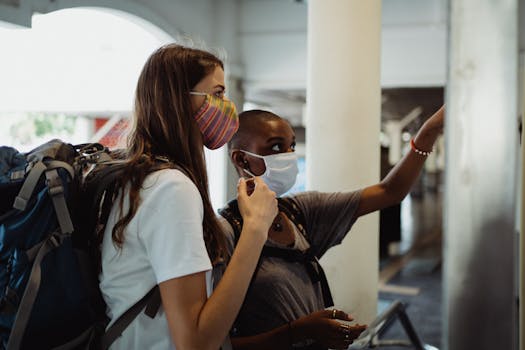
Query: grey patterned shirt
x,y
282,291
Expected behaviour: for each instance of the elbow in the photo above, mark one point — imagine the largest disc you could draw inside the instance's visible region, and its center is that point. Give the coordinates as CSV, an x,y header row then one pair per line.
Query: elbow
x,y
393,194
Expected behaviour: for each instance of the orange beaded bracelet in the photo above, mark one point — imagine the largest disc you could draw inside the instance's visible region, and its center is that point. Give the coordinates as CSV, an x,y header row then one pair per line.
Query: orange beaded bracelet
x,y
417,150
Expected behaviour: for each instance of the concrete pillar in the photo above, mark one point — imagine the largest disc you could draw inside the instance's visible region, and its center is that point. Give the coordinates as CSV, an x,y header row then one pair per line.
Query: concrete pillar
x,y
342,135
480,195
521,268
521,206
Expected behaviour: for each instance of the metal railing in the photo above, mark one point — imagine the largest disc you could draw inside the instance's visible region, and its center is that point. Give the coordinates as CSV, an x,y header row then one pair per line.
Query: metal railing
x,y
369,339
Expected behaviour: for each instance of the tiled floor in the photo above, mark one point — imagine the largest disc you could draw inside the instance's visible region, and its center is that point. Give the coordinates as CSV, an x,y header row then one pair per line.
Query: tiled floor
x,y
414,277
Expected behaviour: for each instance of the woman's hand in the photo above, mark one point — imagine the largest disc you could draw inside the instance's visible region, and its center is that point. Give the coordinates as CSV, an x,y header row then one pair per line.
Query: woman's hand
x,y
257,205
326,329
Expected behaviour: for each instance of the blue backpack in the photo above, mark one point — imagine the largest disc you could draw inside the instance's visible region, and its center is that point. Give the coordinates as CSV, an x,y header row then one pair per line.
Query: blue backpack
x,y
49,216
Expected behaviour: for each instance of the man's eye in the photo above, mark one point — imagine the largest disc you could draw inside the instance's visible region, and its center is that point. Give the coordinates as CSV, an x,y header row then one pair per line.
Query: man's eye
x,y
292,146
276,147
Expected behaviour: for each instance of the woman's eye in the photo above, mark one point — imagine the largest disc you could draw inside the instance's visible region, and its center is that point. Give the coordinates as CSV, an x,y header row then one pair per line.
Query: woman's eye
x,y
219,94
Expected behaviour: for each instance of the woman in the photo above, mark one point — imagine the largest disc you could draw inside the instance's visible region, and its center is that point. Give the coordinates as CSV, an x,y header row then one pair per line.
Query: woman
x,y
162,229
285,305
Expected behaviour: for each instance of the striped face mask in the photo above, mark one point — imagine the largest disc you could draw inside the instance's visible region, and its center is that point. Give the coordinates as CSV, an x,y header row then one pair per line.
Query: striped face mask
x,y
217,120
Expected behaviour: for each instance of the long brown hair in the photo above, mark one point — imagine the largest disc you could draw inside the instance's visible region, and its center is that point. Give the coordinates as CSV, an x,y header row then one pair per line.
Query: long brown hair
x,y
164,126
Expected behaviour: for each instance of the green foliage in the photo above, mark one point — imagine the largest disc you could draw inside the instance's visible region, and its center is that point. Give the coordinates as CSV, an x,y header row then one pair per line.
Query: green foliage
x,y
47,124
39,125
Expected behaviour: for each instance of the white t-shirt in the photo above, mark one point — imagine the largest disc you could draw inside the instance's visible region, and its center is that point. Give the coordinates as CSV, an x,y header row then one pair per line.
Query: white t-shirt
x,y
164,240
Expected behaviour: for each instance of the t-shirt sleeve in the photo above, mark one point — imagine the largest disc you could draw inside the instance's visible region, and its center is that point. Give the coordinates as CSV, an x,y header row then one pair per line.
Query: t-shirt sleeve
x,y
170,227
328,216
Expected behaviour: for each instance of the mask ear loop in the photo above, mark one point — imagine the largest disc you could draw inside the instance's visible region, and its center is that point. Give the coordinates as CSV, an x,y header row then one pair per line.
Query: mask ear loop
x,y
250,183
246,164
248,172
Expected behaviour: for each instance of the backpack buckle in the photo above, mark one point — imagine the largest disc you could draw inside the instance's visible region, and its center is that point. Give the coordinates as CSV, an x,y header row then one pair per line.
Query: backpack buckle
x,y
54,185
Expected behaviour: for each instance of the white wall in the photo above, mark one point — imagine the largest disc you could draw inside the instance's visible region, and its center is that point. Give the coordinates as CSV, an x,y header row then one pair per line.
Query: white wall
x,y
414,43
273,37
197,22
174,16
266,40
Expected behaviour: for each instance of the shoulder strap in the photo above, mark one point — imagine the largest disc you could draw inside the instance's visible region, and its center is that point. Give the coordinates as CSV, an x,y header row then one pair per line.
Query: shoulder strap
x,y
232,214
31,291
104,190
150,303
312,265
287,205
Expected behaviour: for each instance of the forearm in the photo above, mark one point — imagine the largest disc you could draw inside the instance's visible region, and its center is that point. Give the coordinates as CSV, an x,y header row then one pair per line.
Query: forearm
x,y
198,322
221,309
401,178
277,339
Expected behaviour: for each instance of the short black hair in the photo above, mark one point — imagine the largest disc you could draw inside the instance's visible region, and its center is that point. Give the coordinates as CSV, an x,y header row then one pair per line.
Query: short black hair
x,y
248,120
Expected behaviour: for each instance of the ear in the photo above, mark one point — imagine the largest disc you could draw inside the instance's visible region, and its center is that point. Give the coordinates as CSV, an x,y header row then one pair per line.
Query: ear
x,y
239,160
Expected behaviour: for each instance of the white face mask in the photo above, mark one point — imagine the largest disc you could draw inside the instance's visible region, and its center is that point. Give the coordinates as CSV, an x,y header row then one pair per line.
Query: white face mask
x,y
281,171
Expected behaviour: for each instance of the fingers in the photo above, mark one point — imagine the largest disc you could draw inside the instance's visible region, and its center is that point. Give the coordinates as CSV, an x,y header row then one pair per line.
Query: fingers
x,y
258,181
343,334
257,201
352,331
341,340
340,315
241,187
331,329
347,335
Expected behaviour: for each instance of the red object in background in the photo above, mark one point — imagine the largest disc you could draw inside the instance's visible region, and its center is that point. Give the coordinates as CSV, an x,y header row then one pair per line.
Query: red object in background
x,y
99,122
116,136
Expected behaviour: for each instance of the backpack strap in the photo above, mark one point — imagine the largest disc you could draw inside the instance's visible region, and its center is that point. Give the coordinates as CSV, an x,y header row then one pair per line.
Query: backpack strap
x,y
43,163
56,192
287,205
232,214
309,260
149,303
29,185
104,191
31,291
